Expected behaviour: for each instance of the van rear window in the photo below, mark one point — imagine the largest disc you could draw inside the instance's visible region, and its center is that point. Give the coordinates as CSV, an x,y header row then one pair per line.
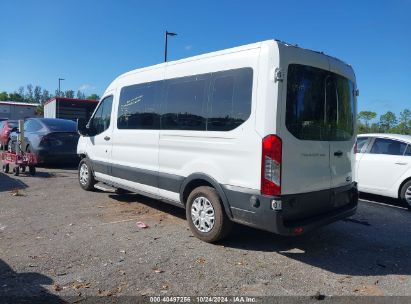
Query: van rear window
x,y
320,104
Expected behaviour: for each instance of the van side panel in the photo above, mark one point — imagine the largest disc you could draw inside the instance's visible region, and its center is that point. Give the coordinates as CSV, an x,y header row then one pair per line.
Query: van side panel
x,y
229,157
267,109
135,152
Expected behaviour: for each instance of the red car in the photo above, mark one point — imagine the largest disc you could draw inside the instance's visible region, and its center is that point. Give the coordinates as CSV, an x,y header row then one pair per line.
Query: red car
x,y
6,126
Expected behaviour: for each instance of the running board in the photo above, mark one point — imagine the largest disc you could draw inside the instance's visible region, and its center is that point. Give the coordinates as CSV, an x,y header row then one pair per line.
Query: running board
x,y
105,188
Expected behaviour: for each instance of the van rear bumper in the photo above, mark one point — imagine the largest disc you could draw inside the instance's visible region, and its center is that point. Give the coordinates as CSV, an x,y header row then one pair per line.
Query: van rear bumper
x,y
300,213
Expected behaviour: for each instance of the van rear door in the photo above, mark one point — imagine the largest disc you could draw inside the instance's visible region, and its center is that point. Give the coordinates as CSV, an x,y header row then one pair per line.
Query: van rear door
x,y
306,149
318,137
340,101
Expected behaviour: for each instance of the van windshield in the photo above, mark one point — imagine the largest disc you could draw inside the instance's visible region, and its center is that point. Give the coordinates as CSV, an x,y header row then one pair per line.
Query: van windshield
x,y
320,104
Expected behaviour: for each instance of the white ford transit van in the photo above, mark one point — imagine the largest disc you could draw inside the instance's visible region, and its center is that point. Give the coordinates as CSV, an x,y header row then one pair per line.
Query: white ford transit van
x,y
261,134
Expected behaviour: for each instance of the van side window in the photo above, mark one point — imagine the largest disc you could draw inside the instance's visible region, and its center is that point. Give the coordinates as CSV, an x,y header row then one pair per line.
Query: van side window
x,y
230,99
408,151
388,146
139,106
101,119
219,101
185,104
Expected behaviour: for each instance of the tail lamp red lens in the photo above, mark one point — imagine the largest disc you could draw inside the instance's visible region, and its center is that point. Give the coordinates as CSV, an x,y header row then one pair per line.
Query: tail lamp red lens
x,y
271,165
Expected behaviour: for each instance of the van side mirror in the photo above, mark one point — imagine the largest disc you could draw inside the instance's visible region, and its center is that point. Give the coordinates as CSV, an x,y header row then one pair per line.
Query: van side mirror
x,y
82,127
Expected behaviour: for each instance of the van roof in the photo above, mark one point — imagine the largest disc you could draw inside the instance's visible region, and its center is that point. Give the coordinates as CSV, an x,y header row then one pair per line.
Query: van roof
x,y
196,57
218,53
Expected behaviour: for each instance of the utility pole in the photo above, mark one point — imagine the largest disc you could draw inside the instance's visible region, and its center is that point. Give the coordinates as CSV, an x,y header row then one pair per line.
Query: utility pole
x,y
60,79
166,44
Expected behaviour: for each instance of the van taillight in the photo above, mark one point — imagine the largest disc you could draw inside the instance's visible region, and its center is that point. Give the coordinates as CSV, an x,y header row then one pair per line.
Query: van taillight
x,y
355,148
271,165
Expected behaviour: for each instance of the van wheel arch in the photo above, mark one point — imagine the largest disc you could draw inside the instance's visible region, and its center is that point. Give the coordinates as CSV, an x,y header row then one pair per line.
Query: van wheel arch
x,y
196,180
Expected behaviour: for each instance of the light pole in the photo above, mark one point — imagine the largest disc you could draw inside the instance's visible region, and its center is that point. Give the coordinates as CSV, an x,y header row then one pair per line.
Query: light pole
x,y
166,43
60,79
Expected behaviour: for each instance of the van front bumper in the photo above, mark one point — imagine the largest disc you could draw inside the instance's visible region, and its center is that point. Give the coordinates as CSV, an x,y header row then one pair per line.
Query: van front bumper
x,y
299,213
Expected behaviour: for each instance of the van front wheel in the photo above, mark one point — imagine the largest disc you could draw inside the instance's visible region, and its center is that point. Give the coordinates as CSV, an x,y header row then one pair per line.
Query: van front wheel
x,y
206,216
85,175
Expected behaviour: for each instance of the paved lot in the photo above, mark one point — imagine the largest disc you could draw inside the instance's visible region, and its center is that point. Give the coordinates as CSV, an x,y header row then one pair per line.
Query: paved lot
x,y
59,240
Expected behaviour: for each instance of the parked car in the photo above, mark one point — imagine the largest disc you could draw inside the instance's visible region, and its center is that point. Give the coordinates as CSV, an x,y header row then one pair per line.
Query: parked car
x,y
52,140
6,127
383,165
201,134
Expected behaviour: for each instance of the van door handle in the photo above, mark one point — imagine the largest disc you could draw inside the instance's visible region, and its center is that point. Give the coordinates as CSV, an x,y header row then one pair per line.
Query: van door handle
x,y
106,137
338,153
401,164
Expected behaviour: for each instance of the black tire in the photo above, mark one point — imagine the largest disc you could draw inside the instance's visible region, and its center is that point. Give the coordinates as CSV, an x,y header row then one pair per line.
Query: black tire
x,y
6,168
16,170
88,184
23,169
32,170
406,190
222,224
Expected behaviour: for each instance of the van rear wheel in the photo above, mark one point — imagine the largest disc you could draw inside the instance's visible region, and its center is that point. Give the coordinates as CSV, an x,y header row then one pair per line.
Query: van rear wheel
x,y
406,193
85,175
206,216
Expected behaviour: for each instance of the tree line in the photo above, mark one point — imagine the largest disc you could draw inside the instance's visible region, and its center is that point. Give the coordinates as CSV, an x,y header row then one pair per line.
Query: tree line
x,y
387,123
37,94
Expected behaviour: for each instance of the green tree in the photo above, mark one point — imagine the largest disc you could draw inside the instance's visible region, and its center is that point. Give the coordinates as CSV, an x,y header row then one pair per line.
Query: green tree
x,y
37,94
387,121
59,94
80,95
93,97
366,116
404,126
45,96
15,97
29,96
40,110
21,91
69,94
375,128
4,96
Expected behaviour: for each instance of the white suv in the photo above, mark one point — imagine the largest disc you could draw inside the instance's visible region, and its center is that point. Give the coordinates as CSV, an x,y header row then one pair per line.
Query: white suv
x,y
384,165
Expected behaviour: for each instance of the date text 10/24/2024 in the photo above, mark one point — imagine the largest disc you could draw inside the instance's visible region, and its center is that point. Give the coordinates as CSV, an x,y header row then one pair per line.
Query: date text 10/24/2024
x,y
202,299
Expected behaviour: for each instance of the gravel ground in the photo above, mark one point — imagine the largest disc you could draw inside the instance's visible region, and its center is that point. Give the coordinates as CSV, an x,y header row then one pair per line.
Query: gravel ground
x,y
58,240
